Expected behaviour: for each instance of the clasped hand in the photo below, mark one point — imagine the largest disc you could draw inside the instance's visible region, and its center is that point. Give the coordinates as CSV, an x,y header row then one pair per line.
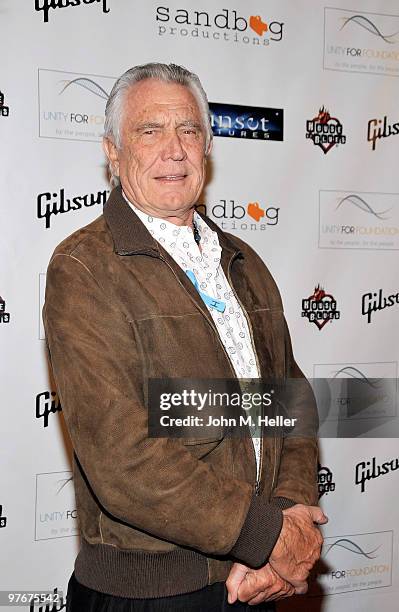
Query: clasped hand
x,y
293,556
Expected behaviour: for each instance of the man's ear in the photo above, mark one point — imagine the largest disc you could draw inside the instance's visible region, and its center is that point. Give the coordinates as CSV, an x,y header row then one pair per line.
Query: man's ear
x,y
209,147
112,153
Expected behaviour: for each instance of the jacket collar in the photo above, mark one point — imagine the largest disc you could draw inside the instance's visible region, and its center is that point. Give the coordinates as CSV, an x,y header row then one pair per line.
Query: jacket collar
x,y
131,236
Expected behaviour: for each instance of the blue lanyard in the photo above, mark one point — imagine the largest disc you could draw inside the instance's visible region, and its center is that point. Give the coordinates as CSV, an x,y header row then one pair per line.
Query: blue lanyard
x,y
209,301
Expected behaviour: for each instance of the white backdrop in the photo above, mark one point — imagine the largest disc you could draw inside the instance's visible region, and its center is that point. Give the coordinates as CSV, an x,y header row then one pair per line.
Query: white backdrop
x,y
331,219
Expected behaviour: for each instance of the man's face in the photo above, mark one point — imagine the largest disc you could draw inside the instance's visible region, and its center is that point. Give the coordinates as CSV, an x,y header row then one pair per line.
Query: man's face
x,y
161,162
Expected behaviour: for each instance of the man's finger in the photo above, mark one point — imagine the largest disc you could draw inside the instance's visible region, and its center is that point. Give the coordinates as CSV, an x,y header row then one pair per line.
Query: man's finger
x,y
301,590
235,578
251,586
260,598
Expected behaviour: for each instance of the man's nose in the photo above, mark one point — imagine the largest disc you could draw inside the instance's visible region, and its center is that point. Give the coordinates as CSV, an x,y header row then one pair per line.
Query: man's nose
x,y
173,148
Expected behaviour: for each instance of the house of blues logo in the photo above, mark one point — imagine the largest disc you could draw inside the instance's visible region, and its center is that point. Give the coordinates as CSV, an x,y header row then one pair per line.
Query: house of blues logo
x,y
320,308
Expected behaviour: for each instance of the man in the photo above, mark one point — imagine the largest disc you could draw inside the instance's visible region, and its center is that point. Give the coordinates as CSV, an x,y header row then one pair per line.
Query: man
x,y
151,289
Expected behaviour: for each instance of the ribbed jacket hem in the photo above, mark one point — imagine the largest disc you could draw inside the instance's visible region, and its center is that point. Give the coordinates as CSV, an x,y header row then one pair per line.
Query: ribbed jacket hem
x,y
259,533
140,574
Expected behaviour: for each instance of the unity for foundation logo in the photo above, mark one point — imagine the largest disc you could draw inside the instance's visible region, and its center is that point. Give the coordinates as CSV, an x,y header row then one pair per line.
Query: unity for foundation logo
x,y
320,308
251,216
55,506
358,220
354,562
227,25
356,398
4,110
71,105
357,41
325,131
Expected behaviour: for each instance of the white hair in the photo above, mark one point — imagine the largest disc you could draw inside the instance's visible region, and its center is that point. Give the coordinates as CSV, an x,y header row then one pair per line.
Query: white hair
x,y
169,73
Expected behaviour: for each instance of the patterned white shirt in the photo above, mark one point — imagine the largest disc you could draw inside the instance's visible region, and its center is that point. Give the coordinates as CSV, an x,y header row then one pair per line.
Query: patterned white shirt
x,y
210,279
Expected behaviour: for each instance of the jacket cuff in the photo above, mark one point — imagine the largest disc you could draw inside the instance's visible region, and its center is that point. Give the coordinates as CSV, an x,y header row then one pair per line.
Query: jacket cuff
x,y
283,502
259,533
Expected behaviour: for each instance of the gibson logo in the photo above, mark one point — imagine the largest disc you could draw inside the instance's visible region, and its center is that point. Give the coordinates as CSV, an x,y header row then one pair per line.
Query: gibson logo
x,y
56,603
47,403
368,470
371,302
46,5
379,128
53,203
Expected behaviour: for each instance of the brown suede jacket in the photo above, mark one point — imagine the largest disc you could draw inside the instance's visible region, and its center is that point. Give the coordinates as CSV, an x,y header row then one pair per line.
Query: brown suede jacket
x,y
162,516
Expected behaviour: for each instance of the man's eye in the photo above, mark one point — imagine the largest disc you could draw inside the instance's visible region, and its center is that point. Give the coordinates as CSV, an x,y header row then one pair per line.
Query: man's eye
x,y
148,131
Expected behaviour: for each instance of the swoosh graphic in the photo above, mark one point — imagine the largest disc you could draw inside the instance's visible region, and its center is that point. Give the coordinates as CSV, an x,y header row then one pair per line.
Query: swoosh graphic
x,y
368,25
352,547
363,205
65,482
88,84
358,374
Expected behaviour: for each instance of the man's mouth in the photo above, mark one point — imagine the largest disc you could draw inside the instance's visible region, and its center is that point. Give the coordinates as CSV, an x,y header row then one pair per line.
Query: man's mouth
x,y
171,178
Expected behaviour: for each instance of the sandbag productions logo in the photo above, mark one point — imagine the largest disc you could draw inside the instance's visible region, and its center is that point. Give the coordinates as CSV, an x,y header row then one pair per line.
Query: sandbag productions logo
x,y
47,403
357,41
45,5
71,105
320,308
235,121
356,220
55,507
230,215
380,128
4,110
226,26
4,316
355,562
369,470
325,131
54,203
3,519
325,481
374,301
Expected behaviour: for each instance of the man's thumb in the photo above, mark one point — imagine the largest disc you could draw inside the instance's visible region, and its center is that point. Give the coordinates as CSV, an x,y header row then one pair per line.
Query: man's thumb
x,y
236,576
318,515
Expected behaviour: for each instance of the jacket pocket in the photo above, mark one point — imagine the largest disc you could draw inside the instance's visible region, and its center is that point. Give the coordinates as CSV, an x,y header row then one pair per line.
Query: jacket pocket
x,y
202,447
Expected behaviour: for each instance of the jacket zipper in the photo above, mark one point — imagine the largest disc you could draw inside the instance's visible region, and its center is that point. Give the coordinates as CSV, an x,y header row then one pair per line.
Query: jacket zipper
x,y
258,476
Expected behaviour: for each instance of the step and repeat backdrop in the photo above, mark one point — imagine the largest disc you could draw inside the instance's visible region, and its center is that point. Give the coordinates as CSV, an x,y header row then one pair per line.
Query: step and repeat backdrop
x,y
305,111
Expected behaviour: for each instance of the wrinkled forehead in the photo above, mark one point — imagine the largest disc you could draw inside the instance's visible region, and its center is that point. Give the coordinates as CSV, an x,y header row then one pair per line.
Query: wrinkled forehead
x,y
160,101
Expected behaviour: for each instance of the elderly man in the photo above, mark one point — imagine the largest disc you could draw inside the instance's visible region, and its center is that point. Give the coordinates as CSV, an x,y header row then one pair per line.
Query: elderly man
x,y
152,289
